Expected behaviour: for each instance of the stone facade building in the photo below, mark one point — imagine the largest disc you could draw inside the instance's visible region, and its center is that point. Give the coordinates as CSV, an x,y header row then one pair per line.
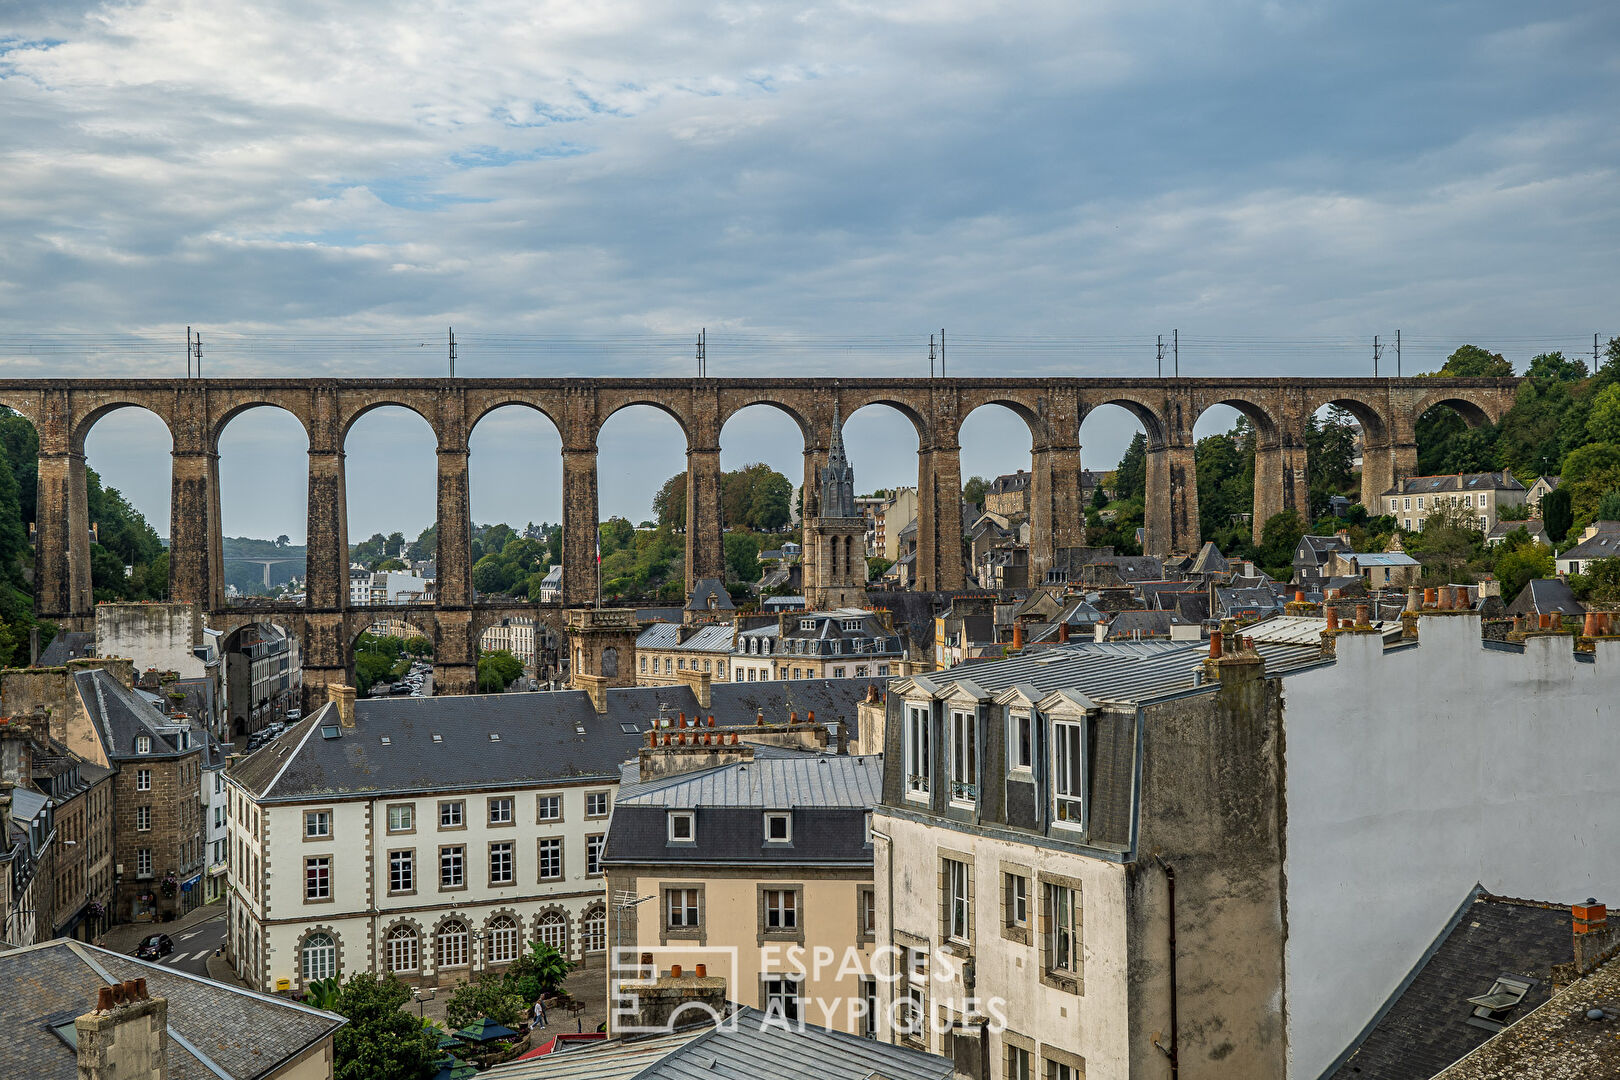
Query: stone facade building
x,y
156,761
1108,841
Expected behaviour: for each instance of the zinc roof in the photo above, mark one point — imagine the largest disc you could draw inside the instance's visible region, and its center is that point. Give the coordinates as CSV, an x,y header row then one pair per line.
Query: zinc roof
x,y
822,780
1127,671
716,637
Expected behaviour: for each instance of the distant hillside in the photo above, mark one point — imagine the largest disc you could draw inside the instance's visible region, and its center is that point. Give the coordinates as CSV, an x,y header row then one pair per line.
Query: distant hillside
x,y
246,547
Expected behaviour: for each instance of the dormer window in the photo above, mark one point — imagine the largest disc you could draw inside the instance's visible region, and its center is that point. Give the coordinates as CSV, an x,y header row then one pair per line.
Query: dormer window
x,y
807,624
143,744
682,827
778,827
1068,772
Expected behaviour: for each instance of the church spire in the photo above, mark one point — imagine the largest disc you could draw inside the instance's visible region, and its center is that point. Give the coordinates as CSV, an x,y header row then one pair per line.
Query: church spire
x,y
838,477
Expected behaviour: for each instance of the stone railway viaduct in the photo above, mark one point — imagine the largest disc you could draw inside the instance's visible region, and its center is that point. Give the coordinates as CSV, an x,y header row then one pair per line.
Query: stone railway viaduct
x,y
197,410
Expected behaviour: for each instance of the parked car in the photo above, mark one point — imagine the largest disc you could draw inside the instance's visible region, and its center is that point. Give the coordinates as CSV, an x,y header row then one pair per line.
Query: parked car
x,y
294,715
154,946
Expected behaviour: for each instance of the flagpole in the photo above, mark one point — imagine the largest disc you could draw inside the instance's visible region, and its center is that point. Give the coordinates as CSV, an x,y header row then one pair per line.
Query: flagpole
x,y
599,565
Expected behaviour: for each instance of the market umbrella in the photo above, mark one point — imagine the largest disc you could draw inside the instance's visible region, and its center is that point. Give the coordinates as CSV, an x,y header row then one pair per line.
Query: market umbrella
x,y
484,1030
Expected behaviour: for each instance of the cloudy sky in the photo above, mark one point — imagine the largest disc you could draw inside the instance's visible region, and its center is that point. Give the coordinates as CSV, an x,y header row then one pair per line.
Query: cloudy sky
x,y
577,187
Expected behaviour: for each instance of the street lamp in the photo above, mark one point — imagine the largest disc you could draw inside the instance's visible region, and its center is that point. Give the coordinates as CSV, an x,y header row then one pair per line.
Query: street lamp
x,y
422,1000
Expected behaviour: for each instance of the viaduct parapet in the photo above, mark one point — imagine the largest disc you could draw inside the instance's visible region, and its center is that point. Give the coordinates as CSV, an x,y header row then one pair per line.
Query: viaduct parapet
x,y
196,411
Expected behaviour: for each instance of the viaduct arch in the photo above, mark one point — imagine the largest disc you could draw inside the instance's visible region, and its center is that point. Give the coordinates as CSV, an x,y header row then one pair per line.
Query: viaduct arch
x,y
197,410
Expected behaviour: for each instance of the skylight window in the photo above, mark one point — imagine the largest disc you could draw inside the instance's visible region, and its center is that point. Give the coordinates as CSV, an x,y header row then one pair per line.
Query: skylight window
x,y
494,736
437,737
331,731
386,741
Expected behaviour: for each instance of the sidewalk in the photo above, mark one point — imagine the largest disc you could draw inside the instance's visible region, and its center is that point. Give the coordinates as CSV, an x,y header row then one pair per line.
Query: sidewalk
x,y
587,984
125,936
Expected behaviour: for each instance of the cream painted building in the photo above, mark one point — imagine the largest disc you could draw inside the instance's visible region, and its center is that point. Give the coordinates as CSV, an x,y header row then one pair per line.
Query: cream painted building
x,y
666,651
1103,829
436,838
1482,495
844,643
515,634
754,857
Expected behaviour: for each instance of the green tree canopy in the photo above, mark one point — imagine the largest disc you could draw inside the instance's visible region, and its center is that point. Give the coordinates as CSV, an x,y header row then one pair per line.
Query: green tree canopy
x,y
1554,366
381,1041
1130,477
498,670
742,556
973,491
669,505
1473,362
1603,425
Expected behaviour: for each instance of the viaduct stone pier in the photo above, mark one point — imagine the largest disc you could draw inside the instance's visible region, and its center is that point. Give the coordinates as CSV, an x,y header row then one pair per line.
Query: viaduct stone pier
x,y
196,411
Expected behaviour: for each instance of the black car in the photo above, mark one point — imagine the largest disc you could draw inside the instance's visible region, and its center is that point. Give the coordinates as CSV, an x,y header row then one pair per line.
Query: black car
x,y
154,947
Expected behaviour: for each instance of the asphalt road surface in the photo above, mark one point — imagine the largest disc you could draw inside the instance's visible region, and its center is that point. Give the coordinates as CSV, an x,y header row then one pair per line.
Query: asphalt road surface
x,y
192,946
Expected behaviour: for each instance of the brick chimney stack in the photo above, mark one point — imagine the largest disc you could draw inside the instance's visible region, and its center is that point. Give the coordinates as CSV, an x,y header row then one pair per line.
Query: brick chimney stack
x,y
126,1035
343,697
1595,941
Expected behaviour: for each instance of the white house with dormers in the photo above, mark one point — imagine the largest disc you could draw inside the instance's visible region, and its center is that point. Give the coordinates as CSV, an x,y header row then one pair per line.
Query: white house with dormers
x,y
435,838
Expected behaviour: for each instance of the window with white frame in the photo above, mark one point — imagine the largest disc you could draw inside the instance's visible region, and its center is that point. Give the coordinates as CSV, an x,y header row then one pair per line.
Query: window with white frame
x,y
319,959
682,827
143,779
502,866
452,867
915,752
1068,771
681,908
402,949
401,871
781,909
551,858
593,930
318,824
452,943
964,755
318,878
143,744
958,900
500,811
778,827
593,853
596,804
1058,1070
143,818
1062,947
548,807
1020,745
554,930
143,862
503,939
452,815
401,818
1016,890
782,997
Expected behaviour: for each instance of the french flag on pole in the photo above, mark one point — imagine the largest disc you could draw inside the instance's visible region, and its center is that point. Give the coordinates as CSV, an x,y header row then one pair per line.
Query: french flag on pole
x,y
599,545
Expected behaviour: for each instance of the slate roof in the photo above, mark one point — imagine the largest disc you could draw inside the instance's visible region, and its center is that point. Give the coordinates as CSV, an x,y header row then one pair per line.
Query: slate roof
x,y
214,1029
1460,482
1541,596
1603,544
709,594
716,637
1381,558
544,736
749,1047
1129,624
1534,526
120,716
1209,560
1558,1039
1128,671
68,645
1426,1026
